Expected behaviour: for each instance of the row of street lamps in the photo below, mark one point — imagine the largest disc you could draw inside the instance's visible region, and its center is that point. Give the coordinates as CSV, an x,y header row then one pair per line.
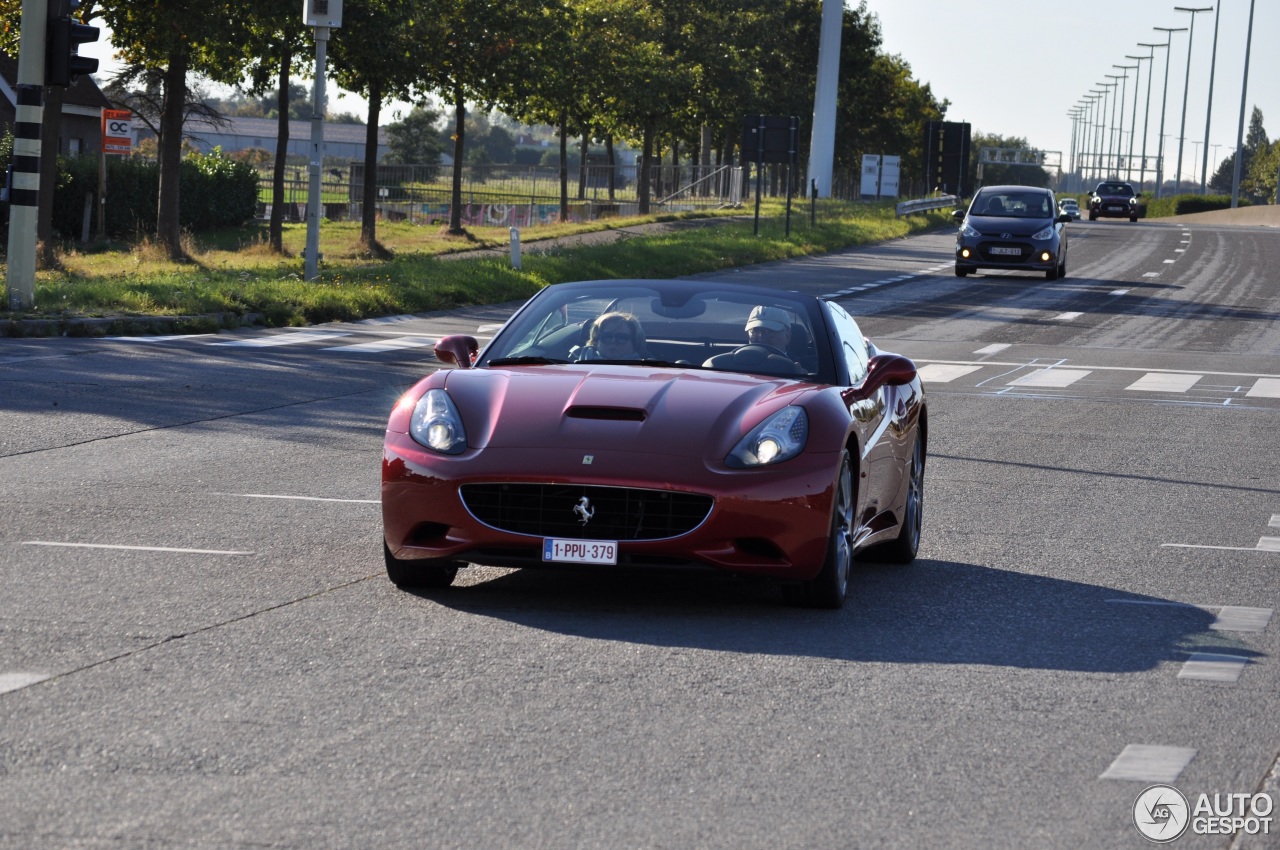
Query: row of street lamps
x,y
1097,142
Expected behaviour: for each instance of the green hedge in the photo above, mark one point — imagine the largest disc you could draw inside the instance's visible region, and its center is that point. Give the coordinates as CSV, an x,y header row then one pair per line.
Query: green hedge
x,y
215,191
1186,204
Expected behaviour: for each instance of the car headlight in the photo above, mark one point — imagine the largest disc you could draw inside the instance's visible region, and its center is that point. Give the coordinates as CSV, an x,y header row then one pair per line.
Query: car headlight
x,y
969,231
436,424
1133,202
778,438
1047,233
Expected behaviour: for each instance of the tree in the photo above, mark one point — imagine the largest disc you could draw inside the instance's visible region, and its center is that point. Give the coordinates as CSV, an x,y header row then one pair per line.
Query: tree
x,y
1255,181
172,42
999,174
416,138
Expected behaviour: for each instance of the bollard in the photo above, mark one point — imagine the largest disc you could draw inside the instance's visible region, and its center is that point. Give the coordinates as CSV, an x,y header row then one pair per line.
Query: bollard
x,y
515,248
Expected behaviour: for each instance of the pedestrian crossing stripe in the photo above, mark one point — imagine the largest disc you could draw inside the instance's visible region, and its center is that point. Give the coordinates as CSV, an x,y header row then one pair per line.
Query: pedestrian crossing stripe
x,y
382,345
283,339
1059,378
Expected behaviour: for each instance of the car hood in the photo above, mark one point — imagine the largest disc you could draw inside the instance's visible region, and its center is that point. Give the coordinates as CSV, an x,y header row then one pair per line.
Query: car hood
x,y
995,225
630,408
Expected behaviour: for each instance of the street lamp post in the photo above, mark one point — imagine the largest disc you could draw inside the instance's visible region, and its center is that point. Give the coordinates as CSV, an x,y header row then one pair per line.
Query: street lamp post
x,y
1244,85
1134,136
1160,152
1112,161
1208,111
1186,86
1089,143
1146,118
1124,84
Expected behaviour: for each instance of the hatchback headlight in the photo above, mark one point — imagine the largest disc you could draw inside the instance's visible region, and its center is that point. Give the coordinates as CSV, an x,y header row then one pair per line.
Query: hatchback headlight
x,y
1047,233
967,230
436,424
780,437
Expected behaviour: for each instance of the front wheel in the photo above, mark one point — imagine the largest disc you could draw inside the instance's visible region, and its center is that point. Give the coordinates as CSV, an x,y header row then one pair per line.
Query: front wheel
x,y
426,573
830,587
961,272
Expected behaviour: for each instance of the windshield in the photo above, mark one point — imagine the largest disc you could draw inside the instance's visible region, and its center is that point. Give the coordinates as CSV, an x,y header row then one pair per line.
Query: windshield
x,y
1012,204
667,324
1124,190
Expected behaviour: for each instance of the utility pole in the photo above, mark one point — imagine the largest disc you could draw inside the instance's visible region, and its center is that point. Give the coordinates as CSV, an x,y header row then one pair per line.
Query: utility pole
x,y
822,140
24,196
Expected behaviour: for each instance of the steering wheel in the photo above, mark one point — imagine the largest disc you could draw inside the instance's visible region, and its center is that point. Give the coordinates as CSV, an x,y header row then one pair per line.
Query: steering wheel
x,y
768,349
756,357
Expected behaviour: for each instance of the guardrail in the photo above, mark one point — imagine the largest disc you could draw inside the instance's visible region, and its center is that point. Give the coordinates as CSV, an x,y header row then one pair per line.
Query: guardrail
x,y
935,203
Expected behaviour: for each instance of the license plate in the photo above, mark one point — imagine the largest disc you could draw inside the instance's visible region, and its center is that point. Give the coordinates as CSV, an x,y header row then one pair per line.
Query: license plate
x,y
580,551
1114,208
1010,251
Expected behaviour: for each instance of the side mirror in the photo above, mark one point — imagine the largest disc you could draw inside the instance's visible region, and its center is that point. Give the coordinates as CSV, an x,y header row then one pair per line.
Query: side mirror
x,y
458,350
957,216
884,370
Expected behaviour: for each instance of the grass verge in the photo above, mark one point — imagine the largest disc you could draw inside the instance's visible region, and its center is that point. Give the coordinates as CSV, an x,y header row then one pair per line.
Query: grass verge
x,y
234,278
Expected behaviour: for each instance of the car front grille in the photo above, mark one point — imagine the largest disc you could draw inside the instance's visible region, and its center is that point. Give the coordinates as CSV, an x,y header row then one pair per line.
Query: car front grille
x,y
612,513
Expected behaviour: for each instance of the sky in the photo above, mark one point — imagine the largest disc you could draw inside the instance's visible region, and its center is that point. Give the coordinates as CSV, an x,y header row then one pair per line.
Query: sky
x,y
1016,67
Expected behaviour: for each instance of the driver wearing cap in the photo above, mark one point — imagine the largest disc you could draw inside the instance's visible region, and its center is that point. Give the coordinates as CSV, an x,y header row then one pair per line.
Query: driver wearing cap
x,y
769,326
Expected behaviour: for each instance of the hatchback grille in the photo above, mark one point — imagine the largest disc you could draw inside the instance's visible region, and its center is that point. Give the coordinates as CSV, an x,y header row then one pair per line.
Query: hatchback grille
x,y
616,513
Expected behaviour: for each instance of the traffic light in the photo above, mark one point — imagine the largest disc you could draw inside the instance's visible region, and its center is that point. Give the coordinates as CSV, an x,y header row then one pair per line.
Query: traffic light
x,y
62,60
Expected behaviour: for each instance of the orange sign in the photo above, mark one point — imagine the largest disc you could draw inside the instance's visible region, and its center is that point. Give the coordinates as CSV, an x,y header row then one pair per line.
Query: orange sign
x,y
117,131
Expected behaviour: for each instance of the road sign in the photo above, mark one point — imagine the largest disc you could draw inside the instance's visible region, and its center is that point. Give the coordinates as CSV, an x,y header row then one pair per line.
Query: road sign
x,y
117,131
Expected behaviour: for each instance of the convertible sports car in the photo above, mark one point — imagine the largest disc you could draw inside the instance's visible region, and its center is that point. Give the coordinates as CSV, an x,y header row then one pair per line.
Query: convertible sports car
x,y
660,424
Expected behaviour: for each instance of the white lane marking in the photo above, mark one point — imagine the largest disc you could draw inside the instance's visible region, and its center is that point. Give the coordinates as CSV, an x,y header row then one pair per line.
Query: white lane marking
x,y
303,498
1167,262
994,348
284,339
1258,548
1179,250
1149,763
1265,388
168,338
1050,377
1211,667
1269,544
1157,382
381,345
937,373
17,681
484,329
1239,618
135,548
1119,292
387,320
1067,317
1152,274
1275,521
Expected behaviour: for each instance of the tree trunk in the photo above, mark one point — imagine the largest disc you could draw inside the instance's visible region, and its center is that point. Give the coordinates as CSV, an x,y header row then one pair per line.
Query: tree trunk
x,y
459,134
168,225
613,166
564,168
646,158
275,229
369,205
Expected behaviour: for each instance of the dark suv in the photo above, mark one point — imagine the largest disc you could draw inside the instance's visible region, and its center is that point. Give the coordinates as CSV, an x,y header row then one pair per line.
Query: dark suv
x,y
1113,199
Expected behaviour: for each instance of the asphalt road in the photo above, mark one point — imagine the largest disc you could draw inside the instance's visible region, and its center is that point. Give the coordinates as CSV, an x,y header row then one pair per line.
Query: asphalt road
x,y
199,648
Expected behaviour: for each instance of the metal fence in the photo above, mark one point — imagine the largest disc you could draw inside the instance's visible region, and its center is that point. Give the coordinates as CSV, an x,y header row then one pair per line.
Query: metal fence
x,y
503,195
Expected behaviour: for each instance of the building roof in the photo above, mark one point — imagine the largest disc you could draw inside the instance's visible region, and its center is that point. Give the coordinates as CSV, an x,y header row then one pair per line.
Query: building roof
x,y
84,92
265,128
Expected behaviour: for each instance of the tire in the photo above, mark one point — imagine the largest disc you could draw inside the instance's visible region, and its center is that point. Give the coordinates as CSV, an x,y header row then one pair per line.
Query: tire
x,y
903,550
830,587
1051,274
1062,268
1133,218
961,272
426,573
1093,217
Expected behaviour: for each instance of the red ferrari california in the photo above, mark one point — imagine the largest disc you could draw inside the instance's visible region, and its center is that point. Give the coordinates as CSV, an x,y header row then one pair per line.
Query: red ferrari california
x,y
660,424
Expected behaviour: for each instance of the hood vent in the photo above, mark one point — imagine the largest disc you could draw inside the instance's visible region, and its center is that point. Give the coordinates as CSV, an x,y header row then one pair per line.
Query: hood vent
x,y
618,414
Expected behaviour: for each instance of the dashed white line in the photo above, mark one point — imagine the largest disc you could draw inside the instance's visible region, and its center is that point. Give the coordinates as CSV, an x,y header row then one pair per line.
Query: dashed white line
x,y
303,498
135,548
1067,317
1240,618
1269,544
1169,261
17,681
1212,667
1265,388
284,339
1050,377
1149,763
994,348
381,345
1157,382
939,373
1119,292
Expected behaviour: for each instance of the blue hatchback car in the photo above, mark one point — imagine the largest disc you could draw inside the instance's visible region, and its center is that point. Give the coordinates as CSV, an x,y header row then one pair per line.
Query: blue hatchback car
x,y
1017,228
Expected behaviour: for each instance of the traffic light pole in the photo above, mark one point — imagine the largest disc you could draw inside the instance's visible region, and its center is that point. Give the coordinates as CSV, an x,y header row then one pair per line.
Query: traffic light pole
x,y
311,258
24,195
